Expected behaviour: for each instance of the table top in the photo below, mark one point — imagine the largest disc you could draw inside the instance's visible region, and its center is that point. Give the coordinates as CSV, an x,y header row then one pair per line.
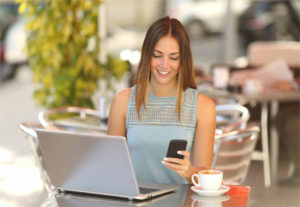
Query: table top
x,y
237,196
281,96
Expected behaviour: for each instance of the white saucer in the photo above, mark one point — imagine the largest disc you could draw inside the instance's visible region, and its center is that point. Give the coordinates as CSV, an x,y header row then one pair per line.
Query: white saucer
x,y
210,198
223,189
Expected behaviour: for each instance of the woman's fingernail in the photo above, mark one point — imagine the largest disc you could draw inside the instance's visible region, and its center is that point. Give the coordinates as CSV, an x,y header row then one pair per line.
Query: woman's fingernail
x,y
162,162
179,152
165,158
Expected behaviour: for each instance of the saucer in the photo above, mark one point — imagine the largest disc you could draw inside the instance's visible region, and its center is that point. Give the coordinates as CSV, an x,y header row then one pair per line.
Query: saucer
x,y
223,189
210,199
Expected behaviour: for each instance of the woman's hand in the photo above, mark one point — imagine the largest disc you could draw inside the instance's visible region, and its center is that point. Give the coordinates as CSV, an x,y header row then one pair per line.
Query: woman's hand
x,y
182,167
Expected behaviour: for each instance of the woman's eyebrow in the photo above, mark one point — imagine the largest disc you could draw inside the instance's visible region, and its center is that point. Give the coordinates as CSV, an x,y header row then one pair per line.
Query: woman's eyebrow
x,y
172,53
155,50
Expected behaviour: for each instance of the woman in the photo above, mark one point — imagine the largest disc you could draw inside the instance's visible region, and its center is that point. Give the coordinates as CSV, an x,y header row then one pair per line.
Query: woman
x,y
164,105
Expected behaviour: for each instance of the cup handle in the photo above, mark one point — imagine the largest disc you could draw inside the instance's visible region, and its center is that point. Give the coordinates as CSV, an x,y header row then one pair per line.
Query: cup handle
x,y
193,180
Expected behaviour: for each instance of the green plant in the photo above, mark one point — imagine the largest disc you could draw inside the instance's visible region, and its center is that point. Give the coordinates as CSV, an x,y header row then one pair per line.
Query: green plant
x,y
63,47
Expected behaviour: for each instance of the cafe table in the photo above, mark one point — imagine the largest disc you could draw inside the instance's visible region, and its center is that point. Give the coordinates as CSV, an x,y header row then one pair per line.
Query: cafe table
x,y
237,196
269,101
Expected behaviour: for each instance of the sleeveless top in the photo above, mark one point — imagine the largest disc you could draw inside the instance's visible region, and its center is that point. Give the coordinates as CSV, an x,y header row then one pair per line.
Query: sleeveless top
x,y
148,138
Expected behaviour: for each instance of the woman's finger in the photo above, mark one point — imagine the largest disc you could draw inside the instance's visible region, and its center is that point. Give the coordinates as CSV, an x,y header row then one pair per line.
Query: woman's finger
x,y
181,171
179,166
185,154
174,160
174,166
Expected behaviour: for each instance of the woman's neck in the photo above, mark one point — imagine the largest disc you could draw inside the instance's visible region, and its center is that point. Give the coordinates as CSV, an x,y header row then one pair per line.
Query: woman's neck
x,y
162,90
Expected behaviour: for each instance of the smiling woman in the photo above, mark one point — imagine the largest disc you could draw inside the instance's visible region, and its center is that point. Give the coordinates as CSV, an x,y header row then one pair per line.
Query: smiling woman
x,y
164,105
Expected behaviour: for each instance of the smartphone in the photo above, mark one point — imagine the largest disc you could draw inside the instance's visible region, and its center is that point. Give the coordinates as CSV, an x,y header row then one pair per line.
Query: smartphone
x,y
176,145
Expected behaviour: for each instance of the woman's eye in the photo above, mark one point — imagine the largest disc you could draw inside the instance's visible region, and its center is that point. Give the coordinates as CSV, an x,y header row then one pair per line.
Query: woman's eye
x,y
174,58
156,56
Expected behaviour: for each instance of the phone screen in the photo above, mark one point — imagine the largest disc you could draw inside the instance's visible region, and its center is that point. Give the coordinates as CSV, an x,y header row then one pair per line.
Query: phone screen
x,y
176,145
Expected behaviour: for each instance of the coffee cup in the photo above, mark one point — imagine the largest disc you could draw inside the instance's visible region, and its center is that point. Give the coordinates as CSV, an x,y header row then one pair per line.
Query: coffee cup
x,y
208,179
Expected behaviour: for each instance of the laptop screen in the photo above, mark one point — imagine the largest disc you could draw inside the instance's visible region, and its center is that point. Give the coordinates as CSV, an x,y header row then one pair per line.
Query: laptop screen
x,y
92,163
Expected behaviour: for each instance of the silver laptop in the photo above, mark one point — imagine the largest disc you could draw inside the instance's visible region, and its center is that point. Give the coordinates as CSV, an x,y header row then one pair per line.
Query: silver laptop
x,y
93,163
75,200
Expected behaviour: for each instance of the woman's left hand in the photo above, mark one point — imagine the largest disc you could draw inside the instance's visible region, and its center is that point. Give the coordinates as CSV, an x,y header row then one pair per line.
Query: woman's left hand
x,y
181,166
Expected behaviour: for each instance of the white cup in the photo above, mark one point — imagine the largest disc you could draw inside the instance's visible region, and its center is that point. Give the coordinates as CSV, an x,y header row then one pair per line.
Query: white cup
x,y
208,179
220,77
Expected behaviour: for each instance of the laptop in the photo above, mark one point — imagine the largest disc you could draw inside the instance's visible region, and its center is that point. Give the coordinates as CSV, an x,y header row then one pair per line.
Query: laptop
x,y
93,163
81,200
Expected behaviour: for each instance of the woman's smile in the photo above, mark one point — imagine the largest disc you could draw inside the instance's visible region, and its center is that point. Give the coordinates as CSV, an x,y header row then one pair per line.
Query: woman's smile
x,y
163,73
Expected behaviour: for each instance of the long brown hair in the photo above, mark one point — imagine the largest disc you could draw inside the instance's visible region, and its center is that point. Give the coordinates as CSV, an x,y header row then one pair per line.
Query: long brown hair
x,y
163,27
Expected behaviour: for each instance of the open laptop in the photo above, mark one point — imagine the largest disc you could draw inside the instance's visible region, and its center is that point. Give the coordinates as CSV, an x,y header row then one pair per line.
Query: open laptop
x,y
93,163
74,200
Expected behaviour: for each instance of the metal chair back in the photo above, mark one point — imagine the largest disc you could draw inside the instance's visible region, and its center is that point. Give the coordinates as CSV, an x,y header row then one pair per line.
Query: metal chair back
x,y
231,117
233,153
74,119
29,129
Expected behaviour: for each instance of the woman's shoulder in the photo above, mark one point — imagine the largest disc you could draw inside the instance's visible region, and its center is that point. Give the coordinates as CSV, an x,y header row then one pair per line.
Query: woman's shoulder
x,y
205,103
206,109
123,95
120,102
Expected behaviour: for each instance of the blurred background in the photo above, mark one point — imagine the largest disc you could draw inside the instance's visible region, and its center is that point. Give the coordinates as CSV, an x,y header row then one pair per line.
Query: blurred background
x,y
220,32
224,28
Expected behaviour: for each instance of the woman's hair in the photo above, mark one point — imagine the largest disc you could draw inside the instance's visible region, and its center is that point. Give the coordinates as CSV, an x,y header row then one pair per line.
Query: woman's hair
x,y
161,28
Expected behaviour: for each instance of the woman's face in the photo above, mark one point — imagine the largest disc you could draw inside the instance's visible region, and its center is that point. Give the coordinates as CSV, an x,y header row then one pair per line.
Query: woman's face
x,y
165,61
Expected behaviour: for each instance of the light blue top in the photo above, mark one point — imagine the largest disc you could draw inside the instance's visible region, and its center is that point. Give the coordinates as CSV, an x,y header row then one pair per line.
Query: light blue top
x,y
148,139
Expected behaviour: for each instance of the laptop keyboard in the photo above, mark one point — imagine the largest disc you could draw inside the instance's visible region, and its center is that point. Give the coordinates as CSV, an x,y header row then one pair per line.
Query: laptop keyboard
x,y
147,190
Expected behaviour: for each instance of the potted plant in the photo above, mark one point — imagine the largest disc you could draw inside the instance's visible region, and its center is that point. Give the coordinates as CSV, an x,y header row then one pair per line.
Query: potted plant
x,y
62,48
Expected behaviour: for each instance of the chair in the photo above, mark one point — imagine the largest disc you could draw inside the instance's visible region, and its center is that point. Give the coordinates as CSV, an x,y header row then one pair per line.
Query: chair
x,y
234,152
74,119
231,117
29,129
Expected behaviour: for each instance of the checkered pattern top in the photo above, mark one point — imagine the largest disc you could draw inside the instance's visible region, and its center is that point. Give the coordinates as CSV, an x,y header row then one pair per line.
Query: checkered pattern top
x,y
162,110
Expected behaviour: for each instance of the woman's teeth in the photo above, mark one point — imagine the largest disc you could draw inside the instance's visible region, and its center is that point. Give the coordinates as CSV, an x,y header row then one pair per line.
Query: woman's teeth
x,y
164,73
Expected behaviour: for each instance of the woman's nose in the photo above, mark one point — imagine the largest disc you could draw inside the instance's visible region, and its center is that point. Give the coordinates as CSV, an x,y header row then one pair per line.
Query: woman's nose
x,y
164,63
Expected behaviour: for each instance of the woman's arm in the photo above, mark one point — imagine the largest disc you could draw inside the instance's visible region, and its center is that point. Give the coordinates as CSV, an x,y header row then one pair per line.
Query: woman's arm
x,y
203,142
204,134
117,113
